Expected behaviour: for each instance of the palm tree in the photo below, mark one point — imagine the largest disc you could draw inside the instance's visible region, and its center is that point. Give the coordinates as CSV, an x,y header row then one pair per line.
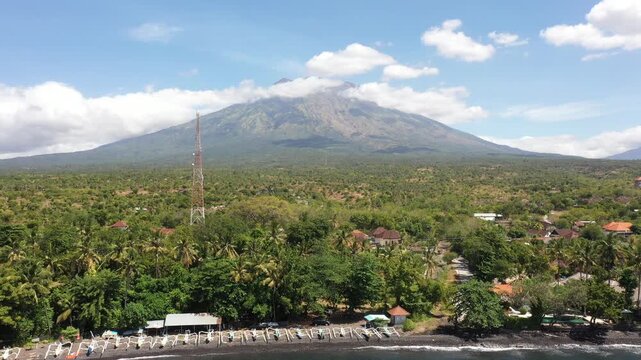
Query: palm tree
x,y
273,273
558,253
634,259
610,253
156,247
240,273
582,254
36,280
430,261
87,259
185,251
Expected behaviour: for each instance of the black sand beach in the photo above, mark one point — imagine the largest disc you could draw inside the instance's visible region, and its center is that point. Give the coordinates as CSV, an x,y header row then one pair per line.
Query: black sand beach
x,y
521,340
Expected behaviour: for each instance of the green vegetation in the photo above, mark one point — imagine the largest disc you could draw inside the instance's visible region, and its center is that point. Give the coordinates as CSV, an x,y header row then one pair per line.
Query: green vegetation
x,y
277,242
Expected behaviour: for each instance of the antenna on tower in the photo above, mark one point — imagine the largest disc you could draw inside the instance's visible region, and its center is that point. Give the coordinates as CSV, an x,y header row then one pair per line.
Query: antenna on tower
x,y
198,181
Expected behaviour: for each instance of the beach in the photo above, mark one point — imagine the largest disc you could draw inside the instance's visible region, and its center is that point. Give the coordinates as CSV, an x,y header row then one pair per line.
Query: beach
x,y
531,341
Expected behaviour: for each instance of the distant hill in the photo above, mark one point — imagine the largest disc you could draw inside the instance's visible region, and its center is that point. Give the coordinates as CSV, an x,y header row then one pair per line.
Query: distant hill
x,y
634,154
284,128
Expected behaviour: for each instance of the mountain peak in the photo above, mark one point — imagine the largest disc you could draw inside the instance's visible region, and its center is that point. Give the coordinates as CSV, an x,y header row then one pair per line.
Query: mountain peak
x,y
283,81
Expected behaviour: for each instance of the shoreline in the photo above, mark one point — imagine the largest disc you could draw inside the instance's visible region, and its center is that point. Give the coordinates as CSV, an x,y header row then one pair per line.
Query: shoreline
x,y
530,340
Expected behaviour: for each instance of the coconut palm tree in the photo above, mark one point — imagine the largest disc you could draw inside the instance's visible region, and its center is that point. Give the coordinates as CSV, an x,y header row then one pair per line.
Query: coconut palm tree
x,y
611,252
273,275
583,255
634,259
155,246
86,257
185,252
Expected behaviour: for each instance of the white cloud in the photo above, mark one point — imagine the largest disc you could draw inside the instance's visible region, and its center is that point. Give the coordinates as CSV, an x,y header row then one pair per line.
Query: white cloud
x,y
452,44
53,117
154,32
446,105
555,113
598,146
398,71
611,24
506,39
353,60
598,56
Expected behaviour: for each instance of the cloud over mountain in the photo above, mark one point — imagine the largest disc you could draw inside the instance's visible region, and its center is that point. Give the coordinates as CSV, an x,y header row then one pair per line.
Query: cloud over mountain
x,y
353,60
55,117
455,44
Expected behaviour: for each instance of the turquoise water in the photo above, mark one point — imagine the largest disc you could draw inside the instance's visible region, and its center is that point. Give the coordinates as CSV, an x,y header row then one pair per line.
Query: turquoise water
x,y
575,352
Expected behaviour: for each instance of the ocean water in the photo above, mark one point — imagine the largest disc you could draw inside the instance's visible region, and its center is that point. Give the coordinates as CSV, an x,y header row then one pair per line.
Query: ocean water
x,y
569,352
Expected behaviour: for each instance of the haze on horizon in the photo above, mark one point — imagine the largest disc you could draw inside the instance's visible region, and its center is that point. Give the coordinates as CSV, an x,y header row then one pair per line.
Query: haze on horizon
x,y
545,76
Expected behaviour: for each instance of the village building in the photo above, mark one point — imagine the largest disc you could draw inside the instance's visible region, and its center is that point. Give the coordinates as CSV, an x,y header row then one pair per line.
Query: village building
x,y
359,235
192,321
166,231
487,216
580,224
120,225
567,234
398,315
505,291
637,182
618,228
383,237
542,235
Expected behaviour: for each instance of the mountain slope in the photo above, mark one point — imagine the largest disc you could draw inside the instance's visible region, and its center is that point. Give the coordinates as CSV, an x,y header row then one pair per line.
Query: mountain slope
x,y
287,127
634,154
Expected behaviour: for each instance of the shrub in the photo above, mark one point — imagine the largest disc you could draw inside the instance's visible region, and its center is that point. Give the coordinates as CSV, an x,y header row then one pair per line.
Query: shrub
x,y
449,256
409,325
69,333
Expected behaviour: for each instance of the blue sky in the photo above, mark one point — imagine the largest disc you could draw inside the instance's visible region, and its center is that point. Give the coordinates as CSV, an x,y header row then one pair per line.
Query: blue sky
x,y
570,89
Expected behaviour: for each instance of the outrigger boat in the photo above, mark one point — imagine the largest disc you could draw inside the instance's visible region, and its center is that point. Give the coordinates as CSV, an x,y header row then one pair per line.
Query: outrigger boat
x,y
7,353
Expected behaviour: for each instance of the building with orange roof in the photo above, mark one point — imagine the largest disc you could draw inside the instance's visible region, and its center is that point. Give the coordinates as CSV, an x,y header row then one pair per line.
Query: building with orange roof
x,y
398,315
166,231
619,228
121,225
503,290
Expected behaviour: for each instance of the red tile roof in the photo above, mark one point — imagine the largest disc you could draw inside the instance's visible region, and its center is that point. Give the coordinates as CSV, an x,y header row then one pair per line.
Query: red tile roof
x,y
398,311
119,225
503,289
378,232
166,231
618,227
359,235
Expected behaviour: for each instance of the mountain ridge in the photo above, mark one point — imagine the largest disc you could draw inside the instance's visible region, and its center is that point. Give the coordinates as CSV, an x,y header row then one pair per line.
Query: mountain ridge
x,y
634,154
283,126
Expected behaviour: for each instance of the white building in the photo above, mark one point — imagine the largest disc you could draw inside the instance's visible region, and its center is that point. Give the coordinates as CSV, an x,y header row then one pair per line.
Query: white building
x,y
488,216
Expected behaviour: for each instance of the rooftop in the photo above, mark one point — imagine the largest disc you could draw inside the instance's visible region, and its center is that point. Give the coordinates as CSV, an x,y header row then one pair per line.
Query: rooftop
x,y
618,226
398,311
191,319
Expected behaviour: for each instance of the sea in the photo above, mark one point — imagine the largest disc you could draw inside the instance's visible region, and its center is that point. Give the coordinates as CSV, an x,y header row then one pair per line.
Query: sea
x,y
566,352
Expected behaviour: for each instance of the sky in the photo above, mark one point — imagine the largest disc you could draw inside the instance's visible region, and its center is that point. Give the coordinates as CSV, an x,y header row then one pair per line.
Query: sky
x,y
547,75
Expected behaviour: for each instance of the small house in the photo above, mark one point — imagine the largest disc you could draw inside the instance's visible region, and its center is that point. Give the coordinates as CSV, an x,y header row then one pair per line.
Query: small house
x,y
637,182
567,234
488,216
504,291
166,231
155,326
192,321
384,237
120,225
619,228
375,320
398,315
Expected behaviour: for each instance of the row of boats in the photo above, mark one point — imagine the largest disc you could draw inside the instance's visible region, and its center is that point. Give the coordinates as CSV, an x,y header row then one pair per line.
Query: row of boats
x,y
71,350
